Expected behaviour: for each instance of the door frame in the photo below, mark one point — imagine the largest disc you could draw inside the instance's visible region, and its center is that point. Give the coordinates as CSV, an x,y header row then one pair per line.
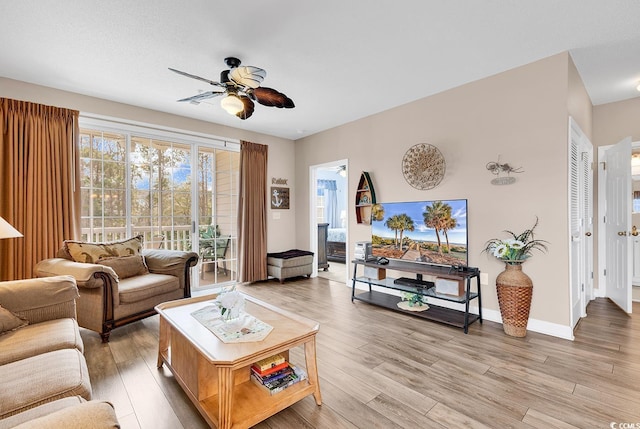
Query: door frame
x,y
602,231
232,250
313,222
582,237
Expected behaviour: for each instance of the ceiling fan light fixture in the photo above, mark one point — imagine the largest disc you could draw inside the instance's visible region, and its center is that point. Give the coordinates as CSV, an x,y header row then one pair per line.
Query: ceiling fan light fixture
x,y
239,88
232,104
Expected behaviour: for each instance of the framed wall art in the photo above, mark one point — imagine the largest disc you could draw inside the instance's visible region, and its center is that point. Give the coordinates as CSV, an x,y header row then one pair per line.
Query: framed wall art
x,y
279,198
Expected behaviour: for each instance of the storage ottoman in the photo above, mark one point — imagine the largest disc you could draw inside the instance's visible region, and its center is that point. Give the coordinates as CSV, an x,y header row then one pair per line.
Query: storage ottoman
x,y
292,263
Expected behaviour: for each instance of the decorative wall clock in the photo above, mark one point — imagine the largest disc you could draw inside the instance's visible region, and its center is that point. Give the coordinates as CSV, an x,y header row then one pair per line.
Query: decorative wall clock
x,y
423,166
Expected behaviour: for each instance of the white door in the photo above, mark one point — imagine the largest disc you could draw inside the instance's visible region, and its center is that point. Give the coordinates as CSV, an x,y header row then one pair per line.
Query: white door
x,y
581,221
586,172
617,219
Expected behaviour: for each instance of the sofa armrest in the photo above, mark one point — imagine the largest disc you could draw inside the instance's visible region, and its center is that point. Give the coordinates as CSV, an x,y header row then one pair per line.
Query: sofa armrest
x,y
173,262
40,299
86,275
88,415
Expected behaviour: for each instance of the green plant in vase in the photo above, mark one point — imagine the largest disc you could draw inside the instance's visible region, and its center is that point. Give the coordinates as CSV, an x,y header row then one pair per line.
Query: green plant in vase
x,y
518,248
514,288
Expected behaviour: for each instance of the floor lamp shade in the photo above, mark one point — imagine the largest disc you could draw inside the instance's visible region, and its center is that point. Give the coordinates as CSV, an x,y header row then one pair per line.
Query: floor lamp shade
x,y
7,231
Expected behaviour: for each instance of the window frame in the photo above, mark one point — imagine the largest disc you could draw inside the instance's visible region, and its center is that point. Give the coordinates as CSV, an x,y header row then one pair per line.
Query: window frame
x,y
194,140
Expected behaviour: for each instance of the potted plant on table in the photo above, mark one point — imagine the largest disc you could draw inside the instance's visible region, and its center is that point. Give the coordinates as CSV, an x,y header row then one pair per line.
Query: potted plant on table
x,y
514,287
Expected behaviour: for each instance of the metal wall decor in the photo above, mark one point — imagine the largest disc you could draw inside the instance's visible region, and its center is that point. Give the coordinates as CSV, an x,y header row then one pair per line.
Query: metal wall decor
x,y
423,166
503,172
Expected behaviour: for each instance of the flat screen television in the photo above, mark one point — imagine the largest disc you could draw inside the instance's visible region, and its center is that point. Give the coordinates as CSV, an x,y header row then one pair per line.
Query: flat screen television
x,y
430,232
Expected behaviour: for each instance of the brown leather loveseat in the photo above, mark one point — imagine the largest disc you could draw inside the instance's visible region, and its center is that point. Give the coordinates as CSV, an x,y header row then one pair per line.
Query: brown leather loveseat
x,y
120,282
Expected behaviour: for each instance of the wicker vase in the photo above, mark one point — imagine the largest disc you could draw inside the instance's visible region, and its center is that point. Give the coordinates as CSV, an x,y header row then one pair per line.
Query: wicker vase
x,y
514,296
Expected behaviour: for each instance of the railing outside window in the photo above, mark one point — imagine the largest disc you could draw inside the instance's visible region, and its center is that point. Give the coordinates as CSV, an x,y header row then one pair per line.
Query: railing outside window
x,y
133,184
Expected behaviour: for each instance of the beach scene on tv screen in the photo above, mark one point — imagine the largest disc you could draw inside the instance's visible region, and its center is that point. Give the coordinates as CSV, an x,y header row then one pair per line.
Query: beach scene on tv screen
x,y
433,232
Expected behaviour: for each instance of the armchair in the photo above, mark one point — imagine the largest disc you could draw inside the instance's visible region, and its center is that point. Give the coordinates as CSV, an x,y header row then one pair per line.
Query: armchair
x,y
108,301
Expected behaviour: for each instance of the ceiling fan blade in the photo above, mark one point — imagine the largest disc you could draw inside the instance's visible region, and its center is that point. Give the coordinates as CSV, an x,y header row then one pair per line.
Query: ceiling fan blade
x,y
272,97
248,76
198,98
248,107
211,82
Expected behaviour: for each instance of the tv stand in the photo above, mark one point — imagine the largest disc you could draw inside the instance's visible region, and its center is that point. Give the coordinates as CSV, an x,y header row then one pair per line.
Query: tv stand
x,y
461,319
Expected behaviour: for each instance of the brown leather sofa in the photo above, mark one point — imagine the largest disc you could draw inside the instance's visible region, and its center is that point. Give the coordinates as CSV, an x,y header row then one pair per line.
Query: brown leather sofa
x,y
108,299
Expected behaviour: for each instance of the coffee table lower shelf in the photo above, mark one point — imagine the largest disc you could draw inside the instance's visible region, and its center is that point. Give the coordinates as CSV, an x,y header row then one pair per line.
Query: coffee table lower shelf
x,y
434,313
251,405
261,406
247,413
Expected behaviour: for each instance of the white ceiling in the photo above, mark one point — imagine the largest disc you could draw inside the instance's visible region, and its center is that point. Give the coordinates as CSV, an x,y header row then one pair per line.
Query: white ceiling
x,y
339,60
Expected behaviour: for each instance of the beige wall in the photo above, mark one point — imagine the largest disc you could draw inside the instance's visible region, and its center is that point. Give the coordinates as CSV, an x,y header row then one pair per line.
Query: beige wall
x,y
613,122
521,115
578,101
281,151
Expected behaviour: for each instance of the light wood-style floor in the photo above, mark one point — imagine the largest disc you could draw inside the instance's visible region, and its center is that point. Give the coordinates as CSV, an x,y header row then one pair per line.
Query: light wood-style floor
x,y
337,272
381,369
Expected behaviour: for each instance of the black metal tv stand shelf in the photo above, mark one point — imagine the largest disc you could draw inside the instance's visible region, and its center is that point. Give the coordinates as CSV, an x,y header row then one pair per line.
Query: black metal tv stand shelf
x,y
461,319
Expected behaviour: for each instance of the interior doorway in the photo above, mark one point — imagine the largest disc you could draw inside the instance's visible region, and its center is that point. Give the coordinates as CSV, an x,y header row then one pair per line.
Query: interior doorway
x,y
623,267
329,219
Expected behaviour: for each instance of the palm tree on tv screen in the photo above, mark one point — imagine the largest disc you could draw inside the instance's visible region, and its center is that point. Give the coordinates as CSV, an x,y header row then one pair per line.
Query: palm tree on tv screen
x,y
393,223
448,223
405,223
377,212
438,217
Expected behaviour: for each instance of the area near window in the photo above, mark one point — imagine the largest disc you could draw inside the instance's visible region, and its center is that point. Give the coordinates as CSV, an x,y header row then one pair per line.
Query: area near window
x,y
179,191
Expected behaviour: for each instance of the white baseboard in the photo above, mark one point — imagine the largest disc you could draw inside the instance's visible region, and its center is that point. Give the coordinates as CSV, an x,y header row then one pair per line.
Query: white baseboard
x,y
540,326
535,325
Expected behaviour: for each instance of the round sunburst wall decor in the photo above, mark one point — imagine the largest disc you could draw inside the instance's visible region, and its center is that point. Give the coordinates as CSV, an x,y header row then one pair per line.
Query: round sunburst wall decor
x,y
423,166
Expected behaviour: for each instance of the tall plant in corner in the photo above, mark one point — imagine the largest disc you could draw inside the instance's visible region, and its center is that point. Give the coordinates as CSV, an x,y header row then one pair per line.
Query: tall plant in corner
x,y
514,287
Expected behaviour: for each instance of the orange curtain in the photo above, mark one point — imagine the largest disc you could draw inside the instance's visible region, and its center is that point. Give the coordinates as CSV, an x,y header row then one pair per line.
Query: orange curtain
x,y
39,187
252,213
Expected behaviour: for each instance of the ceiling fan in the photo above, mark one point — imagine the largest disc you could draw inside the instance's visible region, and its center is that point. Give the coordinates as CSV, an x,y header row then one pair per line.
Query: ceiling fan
x,y
240,87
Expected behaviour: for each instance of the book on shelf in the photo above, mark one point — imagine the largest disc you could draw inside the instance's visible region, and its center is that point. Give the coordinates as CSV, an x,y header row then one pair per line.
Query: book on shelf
x,y
273,376
270,362
276,386
270,370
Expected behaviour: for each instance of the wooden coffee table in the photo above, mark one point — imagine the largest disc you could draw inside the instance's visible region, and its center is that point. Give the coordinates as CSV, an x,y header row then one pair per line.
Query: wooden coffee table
x,y
216,375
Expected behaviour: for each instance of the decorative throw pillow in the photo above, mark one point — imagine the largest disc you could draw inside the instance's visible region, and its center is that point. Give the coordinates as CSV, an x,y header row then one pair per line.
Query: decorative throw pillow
x,y
126,266
91,252
63,252
10,322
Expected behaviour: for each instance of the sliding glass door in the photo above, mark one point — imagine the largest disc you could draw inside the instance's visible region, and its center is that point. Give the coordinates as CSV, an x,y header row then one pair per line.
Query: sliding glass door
x,y
179,195
217,193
